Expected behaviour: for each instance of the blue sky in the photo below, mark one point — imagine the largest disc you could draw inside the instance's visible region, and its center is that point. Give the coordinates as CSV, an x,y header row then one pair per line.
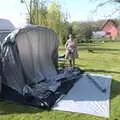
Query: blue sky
x,y
78,10
81,10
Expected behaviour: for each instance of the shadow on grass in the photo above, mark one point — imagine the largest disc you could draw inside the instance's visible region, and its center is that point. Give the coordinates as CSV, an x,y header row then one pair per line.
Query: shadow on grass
x,y
96,49
13,108
98,71
105,49
107,52
115,88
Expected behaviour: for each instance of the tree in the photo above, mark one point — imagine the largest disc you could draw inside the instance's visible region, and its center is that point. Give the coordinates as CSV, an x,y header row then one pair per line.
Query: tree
x,y
36,10
82,31
57,20
48,16
28,7
39,13
76,30
64,32
116,9
54,17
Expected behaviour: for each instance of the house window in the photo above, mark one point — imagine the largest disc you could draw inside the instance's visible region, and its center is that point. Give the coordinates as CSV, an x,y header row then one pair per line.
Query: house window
x,y
109,33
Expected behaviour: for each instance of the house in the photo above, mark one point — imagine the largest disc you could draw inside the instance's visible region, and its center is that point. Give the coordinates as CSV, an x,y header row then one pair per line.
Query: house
x,y
98,34
5,28
110,27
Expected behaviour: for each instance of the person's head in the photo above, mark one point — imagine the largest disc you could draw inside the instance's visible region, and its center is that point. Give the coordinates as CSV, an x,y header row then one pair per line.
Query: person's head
x,y
70,36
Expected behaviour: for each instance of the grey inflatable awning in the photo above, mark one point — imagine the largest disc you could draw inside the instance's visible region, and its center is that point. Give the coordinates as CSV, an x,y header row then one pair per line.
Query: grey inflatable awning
x,y
29,67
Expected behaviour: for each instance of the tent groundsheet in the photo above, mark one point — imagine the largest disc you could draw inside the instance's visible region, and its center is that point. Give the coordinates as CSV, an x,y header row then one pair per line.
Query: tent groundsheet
x,y
86,98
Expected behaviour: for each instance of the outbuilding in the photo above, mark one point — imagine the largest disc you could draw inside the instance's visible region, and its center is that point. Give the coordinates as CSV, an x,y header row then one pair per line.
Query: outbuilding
x,y
111,29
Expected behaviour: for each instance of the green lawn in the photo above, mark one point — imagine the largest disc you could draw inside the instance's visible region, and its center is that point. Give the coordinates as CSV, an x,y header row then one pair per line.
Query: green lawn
x,y
104,60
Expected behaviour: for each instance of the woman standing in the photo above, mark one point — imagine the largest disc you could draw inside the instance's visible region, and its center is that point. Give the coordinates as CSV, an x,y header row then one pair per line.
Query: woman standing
x,y
71,50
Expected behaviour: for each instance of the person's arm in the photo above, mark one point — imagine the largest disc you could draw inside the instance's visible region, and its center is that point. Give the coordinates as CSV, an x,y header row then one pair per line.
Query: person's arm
x,y
75,43
66,44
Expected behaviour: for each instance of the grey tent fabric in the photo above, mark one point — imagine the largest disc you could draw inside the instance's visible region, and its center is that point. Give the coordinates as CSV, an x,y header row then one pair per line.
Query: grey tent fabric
x,y
3,34
36,47
41,47
29,68
0,84
5,28
6,24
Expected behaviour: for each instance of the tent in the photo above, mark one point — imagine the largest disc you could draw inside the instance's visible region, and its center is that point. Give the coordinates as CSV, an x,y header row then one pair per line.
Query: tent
x,y
29,73
5,28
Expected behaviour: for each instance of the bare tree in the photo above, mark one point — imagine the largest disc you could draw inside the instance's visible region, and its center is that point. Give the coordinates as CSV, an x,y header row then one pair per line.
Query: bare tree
x,y
116,3
28,7
33,9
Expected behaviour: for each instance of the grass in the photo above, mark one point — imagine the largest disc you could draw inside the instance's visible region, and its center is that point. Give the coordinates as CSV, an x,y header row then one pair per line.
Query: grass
x,y
104,60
